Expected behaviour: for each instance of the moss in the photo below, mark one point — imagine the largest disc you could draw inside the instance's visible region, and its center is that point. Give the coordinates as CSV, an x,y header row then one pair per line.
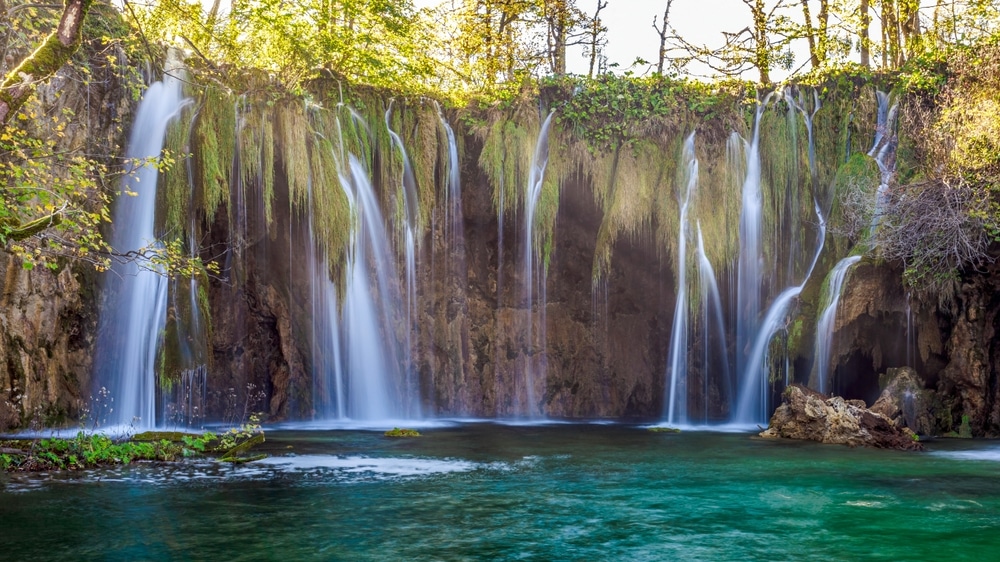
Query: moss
x,y
663,430
965,430
174,194
402,432
290,135
213,149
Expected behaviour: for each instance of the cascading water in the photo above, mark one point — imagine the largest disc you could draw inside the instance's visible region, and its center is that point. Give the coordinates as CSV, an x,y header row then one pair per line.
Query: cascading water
x,y
412,403
752,401
678,361
533,275
884,152
807,116
712,317
454,221
329,387
134,310
369,346
825,324
749,274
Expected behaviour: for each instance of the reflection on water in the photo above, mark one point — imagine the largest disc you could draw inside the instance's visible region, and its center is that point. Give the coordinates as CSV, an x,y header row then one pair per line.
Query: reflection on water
x,y
543,492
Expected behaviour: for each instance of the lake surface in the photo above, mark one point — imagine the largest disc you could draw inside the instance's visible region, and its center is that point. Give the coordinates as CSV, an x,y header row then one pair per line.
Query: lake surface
x,y
469,491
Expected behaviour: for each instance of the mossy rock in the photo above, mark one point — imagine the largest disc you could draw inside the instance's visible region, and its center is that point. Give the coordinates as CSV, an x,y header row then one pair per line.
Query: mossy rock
x,y
663,430
401,432
157,436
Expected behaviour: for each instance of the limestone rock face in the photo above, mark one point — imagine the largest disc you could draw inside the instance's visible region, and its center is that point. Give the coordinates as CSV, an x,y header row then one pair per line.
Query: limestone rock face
x,y
44,346
905,401
805,414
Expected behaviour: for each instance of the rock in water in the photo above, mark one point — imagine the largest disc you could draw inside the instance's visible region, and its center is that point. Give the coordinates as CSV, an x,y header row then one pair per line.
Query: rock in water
x,y
806,414
905,401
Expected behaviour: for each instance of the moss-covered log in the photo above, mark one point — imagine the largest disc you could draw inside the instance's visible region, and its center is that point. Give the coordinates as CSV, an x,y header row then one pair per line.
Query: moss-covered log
x,y
22,231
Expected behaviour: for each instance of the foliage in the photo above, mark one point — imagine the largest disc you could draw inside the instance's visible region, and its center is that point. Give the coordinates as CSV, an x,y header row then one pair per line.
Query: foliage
x,y
402,432
945,218
379,43
663,430
85,450
58,174
236,435
91,450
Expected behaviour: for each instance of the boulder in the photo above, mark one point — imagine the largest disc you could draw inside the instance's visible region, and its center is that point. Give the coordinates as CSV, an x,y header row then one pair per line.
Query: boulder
x,y
806,414
905,401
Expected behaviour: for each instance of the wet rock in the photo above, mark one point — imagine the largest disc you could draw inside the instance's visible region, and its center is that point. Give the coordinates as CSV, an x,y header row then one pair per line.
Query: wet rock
x,y
806,414
905,401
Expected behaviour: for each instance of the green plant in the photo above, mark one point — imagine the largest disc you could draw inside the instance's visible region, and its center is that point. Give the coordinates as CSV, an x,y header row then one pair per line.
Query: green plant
x,y
402,432
965,430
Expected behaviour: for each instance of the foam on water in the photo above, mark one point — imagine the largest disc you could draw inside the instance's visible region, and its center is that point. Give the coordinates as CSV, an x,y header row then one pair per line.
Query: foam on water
x,y
986,454
347,424
370,466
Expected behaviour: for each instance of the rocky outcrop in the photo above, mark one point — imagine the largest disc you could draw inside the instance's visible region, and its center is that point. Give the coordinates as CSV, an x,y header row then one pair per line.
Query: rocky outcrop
x,y
948,338
905,401
44,346
805,414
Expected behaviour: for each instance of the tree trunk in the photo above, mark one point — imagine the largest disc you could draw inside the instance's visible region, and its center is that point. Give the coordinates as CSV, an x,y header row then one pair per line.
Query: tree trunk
x,y
865,41
813,56
822,31
663,37
595,35
762,48
49,57
558,22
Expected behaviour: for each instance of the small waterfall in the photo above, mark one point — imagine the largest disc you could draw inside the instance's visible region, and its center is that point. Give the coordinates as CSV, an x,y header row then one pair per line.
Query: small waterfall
x,y
533,274
677,397
911,335
749,274
370,347
752,402
454,222
884,152
134,311
825,325
409,235
711,308
329,384
808,116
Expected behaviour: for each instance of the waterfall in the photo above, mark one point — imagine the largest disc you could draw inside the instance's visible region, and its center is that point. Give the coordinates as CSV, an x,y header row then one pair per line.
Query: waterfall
x,y
808,117
134,311
454,222
825,324
409,235
754,389
711,308
749,274
533,274
329,386
883,150
369,345
677,397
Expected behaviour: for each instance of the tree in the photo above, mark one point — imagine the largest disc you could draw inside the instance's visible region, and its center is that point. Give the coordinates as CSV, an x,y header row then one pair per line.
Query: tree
x,y
50,56
865,40
597,30
664,32
566,26
762,45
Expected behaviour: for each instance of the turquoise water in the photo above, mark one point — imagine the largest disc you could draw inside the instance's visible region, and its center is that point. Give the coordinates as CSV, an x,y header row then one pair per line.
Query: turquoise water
x,y
488,491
